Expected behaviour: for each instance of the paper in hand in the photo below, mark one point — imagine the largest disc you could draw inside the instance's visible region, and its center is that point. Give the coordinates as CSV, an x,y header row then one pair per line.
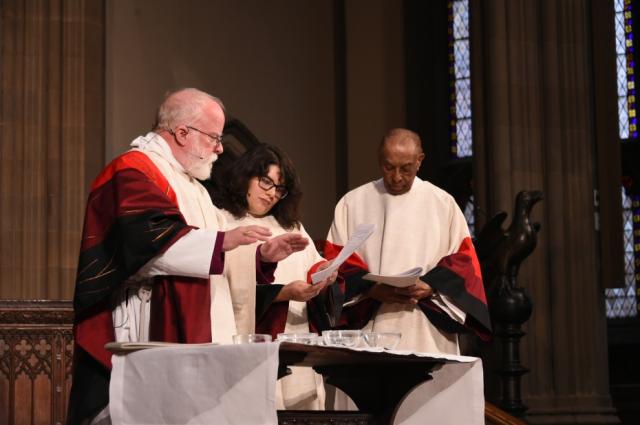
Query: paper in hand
x,y
400,280
362,232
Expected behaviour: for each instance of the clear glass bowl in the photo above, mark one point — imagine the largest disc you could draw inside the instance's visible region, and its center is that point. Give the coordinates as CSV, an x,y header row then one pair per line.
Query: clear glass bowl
x,y
386,340
251,338
301,338
342,338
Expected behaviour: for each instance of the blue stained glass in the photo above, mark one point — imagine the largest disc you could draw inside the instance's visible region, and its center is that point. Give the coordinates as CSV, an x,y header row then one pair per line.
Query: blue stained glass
x,y
625,69
463,131
630,292
623,118
460,82
463,98
623,84
617,292
629,304
469,210
623,302
620,35
460,19
462,59
618,5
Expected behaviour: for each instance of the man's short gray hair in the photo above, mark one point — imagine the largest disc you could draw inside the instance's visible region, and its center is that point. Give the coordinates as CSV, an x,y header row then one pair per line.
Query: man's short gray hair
x,y
183,107
401,134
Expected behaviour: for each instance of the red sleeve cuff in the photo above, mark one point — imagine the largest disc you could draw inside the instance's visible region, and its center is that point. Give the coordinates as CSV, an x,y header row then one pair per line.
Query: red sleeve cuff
x,y
217,259
264,270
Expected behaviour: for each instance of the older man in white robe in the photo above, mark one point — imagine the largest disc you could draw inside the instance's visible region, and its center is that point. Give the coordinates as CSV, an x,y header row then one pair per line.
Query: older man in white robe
x,y
417,225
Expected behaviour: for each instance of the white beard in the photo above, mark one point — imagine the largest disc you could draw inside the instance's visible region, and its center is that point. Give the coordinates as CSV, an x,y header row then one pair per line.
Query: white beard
x,y
201,169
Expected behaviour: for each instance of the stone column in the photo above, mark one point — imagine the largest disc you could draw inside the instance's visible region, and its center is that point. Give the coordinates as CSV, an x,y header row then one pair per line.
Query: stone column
x,y
51,109
533,129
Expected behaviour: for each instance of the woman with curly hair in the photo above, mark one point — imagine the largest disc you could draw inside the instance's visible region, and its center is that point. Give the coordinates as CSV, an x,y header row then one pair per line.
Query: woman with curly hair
x,y
263,188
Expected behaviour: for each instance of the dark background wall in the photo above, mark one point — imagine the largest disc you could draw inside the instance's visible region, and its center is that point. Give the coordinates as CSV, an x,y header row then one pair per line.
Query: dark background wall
x,y
274,64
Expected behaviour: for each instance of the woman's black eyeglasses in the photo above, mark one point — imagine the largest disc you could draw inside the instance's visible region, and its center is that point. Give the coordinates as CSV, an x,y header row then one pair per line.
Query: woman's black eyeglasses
x,y
266,183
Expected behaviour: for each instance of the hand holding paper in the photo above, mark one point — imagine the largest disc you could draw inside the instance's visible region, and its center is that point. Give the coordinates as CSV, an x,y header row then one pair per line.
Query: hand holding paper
x,y
362,232
400,280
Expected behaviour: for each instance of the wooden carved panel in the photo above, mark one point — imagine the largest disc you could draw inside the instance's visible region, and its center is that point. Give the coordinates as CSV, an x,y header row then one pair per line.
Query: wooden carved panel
x,y
36,350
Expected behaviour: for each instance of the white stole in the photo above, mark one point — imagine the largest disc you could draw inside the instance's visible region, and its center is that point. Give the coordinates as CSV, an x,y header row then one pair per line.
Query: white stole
x,y
198,211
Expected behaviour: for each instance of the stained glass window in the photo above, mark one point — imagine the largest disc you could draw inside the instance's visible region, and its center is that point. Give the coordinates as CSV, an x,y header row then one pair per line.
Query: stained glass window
x,y
469,215
459,79
627,119
623,302
460,91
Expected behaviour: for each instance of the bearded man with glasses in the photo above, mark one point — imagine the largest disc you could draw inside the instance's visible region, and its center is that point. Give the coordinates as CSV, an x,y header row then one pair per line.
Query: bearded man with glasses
x,y
151,233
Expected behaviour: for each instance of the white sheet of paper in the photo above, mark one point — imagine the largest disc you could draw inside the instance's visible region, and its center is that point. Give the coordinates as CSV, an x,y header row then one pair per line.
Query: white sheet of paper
x,y
361,234
400,280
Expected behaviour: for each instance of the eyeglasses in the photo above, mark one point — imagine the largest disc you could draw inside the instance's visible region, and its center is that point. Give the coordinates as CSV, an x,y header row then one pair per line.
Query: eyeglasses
x,y
217,138
266,184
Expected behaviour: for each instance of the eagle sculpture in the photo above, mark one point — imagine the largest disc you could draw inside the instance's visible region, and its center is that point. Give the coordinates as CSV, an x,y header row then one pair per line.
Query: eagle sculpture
x,y
500,250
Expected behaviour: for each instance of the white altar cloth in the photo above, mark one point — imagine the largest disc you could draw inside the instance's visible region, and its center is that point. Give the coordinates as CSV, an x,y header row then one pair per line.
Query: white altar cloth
x,y
454,396
195,384
235,384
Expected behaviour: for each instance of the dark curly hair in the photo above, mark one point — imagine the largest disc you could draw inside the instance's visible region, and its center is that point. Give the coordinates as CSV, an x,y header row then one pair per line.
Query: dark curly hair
x,y
255,162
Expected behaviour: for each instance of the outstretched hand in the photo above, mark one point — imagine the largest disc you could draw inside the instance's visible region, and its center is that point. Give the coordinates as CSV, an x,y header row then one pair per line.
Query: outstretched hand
x,y
280,247
244,235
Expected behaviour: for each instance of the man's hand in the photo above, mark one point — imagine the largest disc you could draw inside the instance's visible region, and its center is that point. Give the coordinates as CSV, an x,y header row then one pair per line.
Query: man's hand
x,y
299,290
409,295
280,247
420,290
244,235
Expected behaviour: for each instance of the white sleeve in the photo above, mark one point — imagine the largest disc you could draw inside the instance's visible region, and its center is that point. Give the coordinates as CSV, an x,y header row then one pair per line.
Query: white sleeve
x,y
339,232
189,256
